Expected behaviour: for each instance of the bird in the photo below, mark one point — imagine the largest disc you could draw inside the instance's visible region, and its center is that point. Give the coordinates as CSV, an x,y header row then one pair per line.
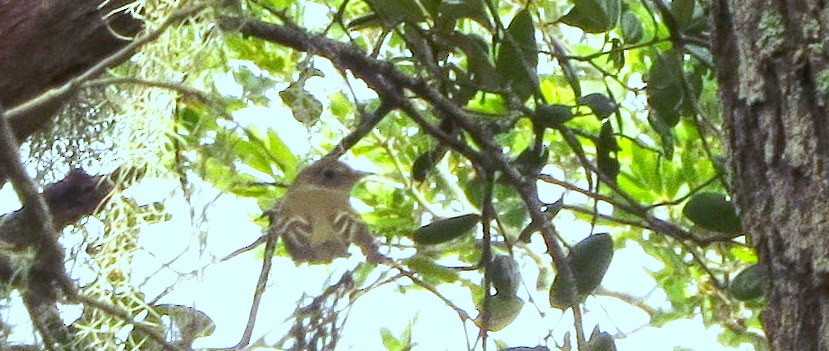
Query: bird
x,y
315,219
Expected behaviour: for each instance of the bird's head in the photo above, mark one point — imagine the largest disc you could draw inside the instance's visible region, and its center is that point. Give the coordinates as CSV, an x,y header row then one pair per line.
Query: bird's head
x,y
329,173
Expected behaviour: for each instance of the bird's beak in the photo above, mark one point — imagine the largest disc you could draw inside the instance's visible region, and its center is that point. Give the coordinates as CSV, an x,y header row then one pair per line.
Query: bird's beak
x,y
361,174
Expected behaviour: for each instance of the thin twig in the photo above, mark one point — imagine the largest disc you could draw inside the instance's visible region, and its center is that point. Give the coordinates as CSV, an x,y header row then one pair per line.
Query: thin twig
x,y
270,247
125,316
367,124
690,193
653,223
461,313
670,22
578,323
487,214
246,248
198,95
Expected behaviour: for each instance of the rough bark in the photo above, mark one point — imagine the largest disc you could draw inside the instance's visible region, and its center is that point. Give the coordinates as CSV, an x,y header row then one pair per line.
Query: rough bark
x,y
45,43
774,79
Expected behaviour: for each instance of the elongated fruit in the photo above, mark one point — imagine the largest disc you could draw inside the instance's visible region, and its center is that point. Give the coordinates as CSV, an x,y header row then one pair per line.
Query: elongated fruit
x,y
713,211
443,230
589,260
748,284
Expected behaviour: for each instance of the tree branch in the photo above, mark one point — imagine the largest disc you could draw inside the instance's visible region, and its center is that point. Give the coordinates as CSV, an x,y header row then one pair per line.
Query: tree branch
x,y
380,76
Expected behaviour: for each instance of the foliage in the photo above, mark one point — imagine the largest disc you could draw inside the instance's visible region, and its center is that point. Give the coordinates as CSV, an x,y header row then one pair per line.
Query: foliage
x,y
496,108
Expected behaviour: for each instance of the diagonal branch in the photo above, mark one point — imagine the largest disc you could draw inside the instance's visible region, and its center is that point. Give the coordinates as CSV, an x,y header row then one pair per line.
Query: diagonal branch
x,y
267,262
380,75
120,56
47,270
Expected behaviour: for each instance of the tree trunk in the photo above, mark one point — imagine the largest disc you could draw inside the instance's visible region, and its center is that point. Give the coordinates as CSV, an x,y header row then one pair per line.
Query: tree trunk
x,y
44,44
771,57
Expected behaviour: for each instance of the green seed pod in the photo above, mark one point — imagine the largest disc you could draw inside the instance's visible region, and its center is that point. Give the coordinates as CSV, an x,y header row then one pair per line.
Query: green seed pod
x,y
713,212
552,116
589,261
424,163
562,293
504,274
600,341
530,161
601,105
608,163
748,284
503,309
443,230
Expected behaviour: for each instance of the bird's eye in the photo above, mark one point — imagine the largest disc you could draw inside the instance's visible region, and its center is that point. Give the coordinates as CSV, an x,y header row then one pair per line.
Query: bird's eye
x,y
329,173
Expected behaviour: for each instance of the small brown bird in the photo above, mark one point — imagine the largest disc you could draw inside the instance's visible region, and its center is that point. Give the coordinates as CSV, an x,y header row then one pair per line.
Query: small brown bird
x,y
315,219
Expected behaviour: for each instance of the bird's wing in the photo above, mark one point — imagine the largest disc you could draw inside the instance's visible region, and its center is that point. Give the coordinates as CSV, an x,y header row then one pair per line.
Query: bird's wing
x,y
295,232
353,229
347,224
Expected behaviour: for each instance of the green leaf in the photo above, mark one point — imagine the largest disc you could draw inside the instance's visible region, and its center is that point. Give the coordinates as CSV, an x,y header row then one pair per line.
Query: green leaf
x,y
191,119
264,54
254,155
389,341
474,190
305,107
665,90
394,12
703,54
617,54
190,322
518,58
477,58
369,20
512,209
713,211
594,16
644,179
632,30
256,85
283,156
571,75
472,9
683,12
340,105
663,128
431,271
401,343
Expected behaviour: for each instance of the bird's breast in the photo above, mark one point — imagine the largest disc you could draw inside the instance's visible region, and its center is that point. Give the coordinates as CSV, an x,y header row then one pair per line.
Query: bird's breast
x,y
320,208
